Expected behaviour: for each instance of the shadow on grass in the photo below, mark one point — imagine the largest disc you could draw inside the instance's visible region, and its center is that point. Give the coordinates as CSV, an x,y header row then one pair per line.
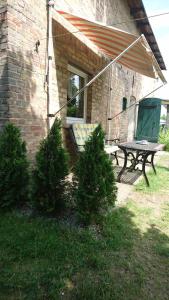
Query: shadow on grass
x,y
42,259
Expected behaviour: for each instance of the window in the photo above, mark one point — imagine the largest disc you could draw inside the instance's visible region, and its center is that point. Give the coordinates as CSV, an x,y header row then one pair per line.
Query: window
x,y
124,103
76,110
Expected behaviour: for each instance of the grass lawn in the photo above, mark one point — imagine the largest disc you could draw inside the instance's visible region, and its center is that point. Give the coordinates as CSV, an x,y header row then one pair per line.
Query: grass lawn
x,y
159,183
128,258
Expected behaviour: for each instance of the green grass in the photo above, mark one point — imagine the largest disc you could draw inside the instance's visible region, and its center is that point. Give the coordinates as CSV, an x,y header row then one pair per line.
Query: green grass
x,y
41,259
127,258
159,182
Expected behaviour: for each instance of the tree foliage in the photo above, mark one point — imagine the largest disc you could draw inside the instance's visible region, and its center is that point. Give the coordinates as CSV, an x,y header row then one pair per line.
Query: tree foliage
x,y
14,175
50,172
96,188
164,138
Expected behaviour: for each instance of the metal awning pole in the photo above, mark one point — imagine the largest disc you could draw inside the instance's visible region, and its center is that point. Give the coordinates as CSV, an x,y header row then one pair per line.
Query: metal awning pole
x,y
98,75
136,103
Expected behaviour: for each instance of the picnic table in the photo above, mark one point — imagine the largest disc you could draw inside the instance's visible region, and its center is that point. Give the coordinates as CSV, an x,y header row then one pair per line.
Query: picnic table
x,y
138,153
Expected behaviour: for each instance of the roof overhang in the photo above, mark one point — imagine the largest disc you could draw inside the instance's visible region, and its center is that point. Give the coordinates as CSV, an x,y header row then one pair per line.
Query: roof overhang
x,y
138,12
112,41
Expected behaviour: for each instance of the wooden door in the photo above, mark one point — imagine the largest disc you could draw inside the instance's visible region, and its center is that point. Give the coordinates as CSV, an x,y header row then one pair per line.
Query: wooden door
x,y
148,123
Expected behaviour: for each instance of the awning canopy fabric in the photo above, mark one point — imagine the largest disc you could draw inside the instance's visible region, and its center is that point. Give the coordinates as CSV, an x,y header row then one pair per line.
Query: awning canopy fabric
x,y
112,41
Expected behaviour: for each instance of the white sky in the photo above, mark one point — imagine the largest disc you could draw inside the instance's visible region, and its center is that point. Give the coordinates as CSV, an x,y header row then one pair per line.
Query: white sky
x,y
160,26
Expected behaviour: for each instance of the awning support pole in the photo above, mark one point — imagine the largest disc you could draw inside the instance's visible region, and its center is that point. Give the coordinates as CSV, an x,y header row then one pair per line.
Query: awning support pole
x,y
98,75
137,102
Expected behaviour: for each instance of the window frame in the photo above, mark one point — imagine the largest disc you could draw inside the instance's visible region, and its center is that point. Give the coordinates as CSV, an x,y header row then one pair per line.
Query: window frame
x,y
71,120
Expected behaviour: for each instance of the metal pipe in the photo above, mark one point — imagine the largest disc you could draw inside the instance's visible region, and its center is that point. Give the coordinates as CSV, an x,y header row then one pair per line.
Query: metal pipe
x,y
137,102
98,75
50,53
109,105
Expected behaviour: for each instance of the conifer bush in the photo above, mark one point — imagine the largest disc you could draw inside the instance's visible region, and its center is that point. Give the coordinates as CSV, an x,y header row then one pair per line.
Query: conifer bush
x,y
164,138
14,175
96,188
50,172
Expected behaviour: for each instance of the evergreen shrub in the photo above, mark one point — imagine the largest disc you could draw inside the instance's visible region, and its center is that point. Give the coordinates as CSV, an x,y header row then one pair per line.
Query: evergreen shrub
x,y
164,138
14,175
49,175
96,188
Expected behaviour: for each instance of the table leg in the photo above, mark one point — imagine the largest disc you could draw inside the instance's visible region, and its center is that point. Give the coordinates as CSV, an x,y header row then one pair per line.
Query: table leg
x,y
144,168
115,155
152,162
124,166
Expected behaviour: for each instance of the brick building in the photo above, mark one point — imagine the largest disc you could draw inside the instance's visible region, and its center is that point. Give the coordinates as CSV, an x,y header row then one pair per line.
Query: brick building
x,y
74,60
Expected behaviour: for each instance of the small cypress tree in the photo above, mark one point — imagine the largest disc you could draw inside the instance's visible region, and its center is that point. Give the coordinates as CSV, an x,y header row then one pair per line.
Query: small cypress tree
x,y
96,188
50,172
14,175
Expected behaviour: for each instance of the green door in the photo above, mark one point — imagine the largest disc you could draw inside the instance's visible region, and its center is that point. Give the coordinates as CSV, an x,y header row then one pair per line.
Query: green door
x,y
148,123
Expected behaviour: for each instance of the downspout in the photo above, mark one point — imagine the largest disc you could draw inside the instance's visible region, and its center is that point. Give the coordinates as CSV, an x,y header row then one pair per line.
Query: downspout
x,y
50,7
109,104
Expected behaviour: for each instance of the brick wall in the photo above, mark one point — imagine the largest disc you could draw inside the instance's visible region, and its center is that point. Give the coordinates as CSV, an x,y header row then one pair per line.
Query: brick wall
x,y
4,94
26,69
24,98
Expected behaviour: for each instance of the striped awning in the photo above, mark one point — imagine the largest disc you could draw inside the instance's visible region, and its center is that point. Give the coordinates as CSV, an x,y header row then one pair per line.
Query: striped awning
x,y
112,41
